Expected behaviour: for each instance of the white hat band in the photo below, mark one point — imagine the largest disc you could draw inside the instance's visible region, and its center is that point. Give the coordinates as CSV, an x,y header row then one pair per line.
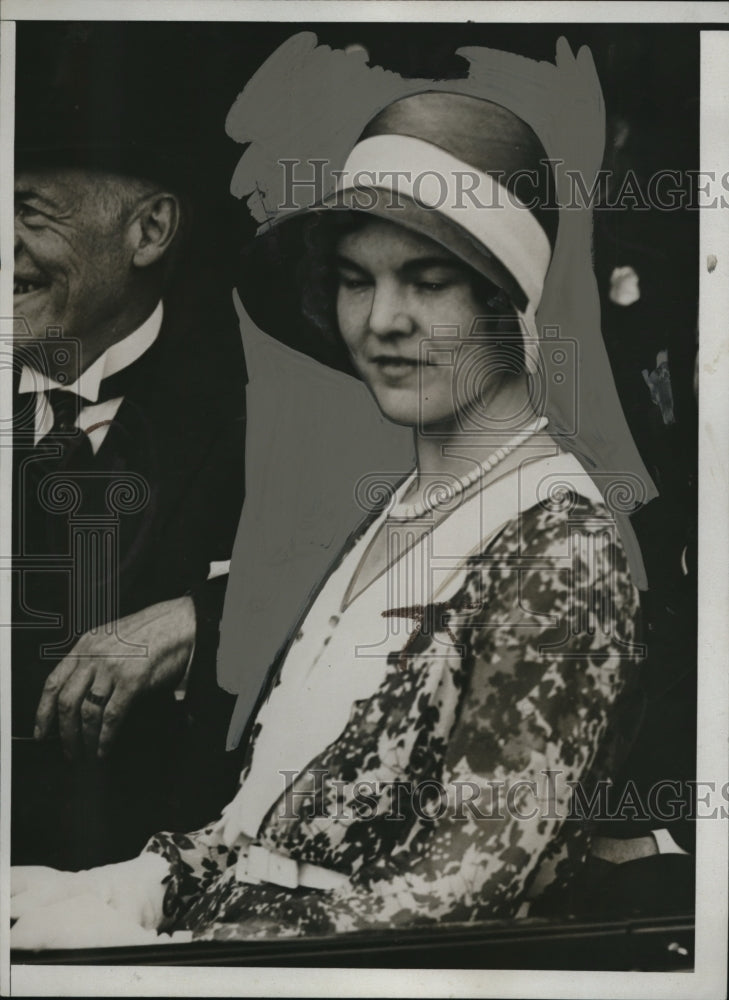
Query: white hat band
x,y
505,226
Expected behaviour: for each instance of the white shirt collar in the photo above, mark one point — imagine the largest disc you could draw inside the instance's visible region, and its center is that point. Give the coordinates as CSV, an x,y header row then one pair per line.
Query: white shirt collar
x,y
113,360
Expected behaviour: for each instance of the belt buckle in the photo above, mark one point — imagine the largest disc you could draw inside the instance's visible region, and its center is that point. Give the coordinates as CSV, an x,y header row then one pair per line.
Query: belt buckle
x,y
262,865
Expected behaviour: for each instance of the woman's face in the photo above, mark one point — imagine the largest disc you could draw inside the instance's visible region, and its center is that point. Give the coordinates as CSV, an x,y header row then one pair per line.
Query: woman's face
x,y
406,310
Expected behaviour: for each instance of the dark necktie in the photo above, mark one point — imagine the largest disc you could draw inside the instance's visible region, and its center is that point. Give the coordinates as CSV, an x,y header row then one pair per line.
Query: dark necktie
x,y
66,445
66,407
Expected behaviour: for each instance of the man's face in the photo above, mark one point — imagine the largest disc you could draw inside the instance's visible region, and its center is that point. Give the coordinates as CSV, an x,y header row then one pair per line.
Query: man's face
x,y
73,264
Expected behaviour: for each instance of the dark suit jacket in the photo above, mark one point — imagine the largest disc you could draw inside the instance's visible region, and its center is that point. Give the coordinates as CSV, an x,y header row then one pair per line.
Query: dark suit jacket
x,y
168,484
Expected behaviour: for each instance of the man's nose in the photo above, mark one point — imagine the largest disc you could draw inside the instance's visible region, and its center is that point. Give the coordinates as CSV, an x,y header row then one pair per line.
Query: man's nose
x,y
389,313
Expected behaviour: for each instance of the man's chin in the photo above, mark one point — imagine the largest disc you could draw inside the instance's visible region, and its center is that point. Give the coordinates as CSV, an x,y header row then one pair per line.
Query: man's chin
x,y
41,341
31,318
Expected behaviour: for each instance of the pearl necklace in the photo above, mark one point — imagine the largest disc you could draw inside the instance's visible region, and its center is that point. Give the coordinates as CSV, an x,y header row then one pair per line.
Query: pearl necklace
x,y
443,493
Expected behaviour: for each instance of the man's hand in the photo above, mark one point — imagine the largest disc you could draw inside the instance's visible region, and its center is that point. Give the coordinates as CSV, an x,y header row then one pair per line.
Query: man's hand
x,y
90,692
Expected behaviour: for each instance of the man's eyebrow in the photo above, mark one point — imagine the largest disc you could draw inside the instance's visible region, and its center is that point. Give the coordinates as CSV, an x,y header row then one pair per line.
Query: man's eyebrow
x,y
30,194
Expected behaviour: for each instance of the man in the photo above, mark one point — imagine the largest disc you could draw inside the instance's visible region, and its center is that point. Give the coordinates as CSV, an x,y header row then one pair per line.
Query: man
x,y
128,477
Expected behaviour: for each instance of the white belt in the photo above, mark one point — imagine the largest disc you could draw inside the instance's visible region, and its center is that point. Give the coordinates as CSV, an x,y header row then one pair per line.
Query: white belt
x,y
261,865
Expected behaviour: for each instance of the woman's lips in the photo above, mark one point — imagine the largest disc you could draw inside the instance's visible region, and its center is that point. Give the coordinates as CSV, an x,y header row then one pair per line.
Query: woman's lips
x,y
394,367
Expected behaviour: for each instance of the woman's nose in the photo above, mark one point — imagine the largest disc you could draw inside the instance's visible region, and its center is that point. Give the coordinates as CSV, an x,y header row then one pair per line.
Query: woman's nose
x,y
389,313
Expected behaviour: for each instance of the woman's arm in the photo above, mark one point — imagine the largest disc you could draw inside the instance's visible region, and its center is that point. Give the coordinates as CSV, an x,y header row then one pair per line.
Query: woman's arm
x,y
114,904
194,861
121,903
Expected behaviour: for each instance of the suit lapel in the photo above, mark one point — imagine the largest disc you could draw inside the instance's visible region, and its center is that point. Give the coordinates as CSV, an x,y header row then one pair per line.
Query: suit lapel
x,y
163,432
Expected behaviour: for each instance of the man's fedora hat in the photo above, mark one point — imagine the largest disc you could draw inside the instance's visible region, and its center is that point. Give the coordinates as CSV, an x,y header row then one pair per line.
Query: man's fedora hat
x,y
139,99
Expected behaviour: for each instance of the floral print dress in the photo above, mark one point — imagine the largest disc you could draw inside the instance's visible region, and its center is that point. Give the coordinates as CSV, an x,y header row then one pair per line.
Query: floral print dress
x,y
419,753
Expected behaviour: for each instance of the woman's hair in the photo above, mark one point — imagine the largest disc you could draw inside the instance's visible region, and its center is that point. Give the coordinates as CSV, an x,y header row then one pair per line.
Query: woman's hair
x,y
318,283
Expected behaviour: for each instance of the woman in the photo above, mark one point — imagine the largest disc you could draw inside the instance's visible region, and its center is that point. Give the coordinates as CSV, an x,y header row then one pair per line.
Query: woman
x,y
471,657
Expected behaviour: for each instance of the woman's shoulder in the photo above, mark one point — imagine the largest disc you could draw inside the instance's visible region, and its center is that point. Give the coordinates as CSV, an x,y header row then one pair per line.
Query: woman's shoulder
x,y
553,522
560,559
563,532
545,518
558,504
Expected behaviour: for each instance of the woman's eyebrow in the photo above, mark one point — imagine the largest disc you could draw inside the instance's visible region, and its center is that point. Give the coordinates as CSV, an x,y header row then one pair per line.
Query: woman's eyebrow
x,y
415,265
343,261
422,263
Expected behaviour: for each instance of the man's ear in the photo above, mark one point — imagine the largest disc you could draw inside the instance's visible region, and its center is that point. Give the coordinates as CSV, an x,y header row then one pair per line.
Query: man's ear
x,y
154,227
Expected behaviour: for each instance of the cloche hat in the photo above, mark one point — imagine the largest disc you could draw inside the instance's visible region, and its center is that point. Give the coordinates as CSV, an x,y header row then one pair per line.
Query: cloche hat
x,y
465,172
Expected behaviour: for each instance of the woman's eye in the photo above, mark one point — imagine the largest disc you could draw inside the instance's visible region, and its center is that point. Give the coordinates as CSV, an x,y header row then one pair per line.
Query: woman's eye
x,y
432,286
352,283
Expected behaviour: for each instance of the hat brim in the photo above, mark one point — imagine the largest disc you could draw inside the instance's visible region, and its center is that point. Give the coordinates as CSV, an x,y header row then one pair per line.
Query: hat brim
x,y
268,283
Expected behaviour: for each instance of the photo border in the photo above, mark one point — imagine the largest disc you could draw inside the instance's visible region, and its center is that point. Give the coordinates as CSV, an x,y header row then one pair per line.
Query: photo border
x,y
709,978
